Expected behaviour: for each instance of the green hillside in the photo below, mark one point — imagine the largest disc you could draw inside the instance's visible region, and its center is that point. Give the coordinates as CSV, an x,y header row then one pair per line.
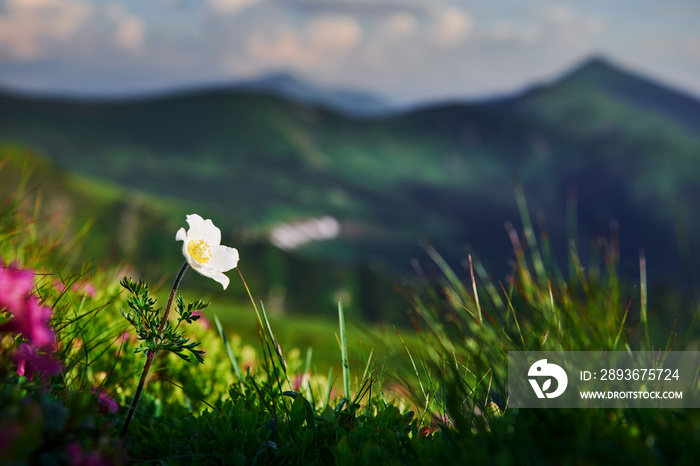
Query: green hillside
x,y
441,174
106,222
638,160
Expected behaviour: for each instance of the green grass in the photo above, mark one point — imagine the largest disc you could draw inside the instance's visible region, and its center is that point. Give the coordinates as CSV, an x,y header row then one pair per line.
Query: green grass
x,y
433,397
298,333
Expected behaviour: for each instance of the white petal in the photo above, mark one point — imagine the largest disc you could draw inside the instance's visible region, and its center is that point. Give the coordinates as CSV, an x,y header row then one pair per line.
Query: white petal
x,y
193,263
204,230
181,235
210,233
185,252
215,275
194,221
223,258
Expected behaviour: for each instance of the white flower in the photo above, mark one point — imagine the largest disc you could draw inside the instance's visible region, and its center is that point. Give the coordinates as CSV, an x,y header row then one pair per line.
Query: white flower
x,y
203,250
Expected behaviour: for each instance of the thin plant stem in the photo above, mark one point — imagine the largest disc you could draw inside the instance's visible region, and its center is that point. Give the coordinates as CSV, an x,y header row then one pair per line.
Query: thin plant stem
x,y
476,294
149,360
176,285
344,350
266,340
229,352
150,356
252,301
643,290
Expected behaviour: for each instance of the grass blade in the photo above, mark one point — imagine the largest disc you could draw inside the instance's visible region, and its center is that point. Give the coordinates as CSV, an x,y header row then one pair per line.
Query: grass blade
x,y
643,291
229,352
344,350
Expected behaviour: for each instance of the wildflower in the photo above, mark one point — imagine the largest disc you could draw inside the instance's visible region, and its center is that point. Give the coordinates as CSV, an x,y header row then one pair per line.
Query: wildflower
x,y
300,381
15,285
440,422
79,287
30,362
106,402
85,289
124,338
202,320
31,319
203,250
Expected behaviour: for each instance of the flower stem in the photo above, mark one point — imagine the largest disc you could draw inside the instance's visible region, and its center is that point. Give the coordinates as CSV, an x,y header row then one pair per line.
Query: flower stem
x,y
150,356
176,285
149,359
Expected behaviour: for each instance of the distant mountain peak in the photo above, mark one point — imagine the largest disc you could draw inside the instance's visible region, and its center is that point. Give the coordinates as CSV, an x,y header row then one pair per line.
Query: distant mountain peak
x,y
599,71
610,81
280,81
596,63
290,86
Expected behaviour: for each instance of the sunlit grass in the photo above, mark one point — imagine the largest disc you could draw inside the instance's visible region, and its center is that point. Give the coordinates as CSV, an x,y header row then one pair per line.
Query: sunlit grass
x,y
299,333
280,388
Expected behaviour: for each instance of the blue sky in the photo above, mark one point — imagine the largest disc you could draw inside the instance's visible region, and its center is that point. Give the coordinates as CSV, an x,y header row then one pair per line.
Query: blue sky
x,y
405,50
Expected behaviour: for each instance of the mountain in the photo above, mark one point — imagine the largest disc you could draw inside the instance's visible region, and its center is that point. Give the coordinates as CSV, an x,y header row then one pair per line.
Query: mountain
x,y
444,174
348,101
631,132
602,80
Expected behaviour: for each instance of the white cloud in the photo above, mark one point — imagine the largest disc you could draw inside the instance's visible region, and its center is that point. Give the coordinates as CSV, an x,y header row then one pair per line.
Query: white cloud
x,y
231,6
284,49
129,31
321,39
560,14
401,23
31,29
570,25
334,32
450,26
511,31
400,48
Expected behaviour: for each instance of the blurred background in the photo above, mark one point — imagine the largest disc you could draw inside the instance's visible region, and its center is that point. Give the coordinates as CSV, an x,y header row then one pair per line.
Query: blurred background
x,y
334,141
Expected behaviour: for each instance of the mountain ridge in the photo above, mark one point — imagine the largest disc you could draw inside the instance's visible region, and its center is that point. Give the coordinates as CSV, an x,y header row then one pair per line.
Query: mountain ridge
x,y
605,76
352,102
595,71
441,173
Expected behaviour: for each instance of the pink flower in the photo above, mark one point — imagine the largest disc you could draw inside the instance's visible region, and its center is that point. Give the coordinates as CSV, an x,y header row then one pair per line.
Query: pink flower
x,y
441,421
58,284
29,361
123,338
15,285
300,381
83,288
106,402
202,320
32,321
77,457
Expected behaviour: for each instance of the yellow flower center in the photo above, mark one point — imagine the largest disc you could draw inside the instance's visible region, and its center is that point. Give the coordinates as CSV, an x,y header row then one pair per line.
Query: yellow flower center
x,y
199,251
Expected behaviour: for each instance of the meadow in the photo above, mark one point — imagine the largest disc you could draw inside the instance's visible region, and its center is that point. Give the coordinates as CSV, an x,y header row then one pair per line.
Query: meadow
x,y
75,336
